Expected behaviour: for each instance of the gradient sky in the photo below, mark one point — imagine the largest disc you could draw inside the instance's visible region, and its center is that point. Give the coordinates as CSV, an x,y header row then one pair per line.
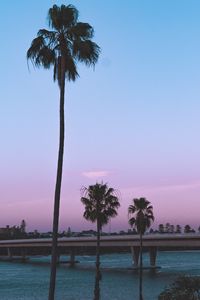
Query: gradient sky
x,y
133,122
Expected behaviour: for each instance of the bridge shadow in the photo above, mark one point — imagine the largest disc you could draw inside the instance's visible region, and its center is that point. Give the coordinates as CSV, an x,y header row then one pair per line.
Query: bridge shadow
x,y
83,266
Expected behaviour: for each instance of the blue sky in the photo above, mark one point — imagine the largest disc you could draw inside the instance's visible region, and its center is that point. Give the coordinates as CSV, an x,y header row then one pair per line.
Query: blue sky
x,y
132,122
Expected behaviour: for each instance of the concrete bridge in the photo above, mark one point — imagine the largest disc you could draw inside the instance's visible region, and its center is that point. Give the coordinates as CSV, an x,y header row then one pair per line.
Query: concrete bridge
x,y
78,245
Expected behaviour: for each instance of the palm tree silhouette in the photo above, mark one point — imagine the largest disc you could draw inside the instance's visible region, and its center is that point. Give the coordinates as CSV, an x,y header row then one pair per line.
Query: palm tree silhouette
x,y
142,218
67,43
101,204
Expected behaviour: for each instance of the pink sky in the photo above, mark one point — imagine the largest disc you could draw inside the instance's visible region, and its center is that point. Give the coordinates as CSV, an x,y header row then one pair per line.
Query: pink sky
x,y
133,121
172,203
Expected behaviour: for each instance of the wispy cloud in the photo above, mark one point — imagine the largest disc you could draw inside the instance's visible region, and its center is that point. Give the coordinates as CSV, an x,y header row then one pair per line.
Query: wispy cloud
x,y
95,174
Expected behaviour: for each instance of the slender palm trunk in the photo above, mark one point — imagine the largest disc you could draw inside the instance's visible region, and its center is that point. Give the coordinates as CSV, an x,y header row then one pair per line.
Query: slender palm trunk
x,y
140,271
98,272
57,187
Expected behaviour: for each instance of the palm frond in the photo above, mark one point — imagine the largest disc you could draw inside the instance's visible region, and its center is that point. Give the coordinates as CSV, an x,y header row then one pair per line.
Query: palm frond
x,y
82,31
45,58
71,72
132,221
109,191
90,216
69,15
86,51
132,209
62,17
36,45
85,201
49,36
40,54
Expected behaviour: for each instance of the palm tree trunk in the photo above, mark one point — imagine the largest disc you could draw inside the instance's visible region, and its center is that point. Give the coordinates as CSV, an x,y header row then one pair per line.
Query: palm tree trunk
x,y
98,273
57,187
140,271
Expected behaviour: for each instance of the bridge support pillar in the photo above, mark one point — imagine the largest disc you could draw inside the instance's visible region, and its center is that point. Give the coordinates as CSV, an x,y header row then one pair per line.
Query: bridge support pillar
x,y
23,254
58,258
152,256
135,255
72,258
9,252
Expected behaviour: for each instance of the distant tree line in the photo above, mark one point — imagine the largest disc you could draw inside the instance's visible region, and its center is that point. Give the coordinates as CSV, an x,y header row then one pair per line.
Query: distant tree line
x,y
170,228
18,232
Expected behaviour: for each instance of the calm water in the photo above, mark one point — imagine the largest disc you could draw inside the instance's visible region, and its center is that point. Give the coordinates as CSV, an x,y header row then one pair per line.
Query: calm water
x,y
29,281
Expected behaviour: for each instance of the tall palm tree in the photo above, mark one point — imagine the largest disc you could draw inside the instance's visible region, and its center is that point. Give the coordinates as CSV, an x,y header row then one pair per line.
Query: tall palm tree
x,y
67,43
141,217
101,204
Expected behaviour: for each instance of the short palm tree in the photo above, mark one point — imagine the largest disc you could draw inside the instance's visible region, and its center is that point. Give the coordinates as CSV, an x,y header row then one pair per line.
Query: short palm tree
x,y
141,217
67,43
101,204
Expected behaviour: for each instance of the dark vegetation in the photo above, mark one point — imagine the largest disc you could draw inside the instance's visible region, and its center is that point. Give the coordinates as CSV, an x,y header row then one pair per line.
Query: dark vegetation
x,y
184,288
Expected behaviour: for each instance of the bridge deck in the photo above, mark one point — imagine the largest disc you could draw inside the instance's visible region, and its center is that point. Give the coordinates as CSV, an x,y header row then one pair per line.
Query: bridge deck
x,y
154,240
78,245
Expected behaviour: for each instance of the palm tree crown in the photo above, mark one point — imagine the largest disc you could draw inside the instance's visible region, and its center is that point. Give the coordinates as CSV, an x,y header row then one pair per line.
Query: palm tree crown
x,y
100,203
143,214
68,39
